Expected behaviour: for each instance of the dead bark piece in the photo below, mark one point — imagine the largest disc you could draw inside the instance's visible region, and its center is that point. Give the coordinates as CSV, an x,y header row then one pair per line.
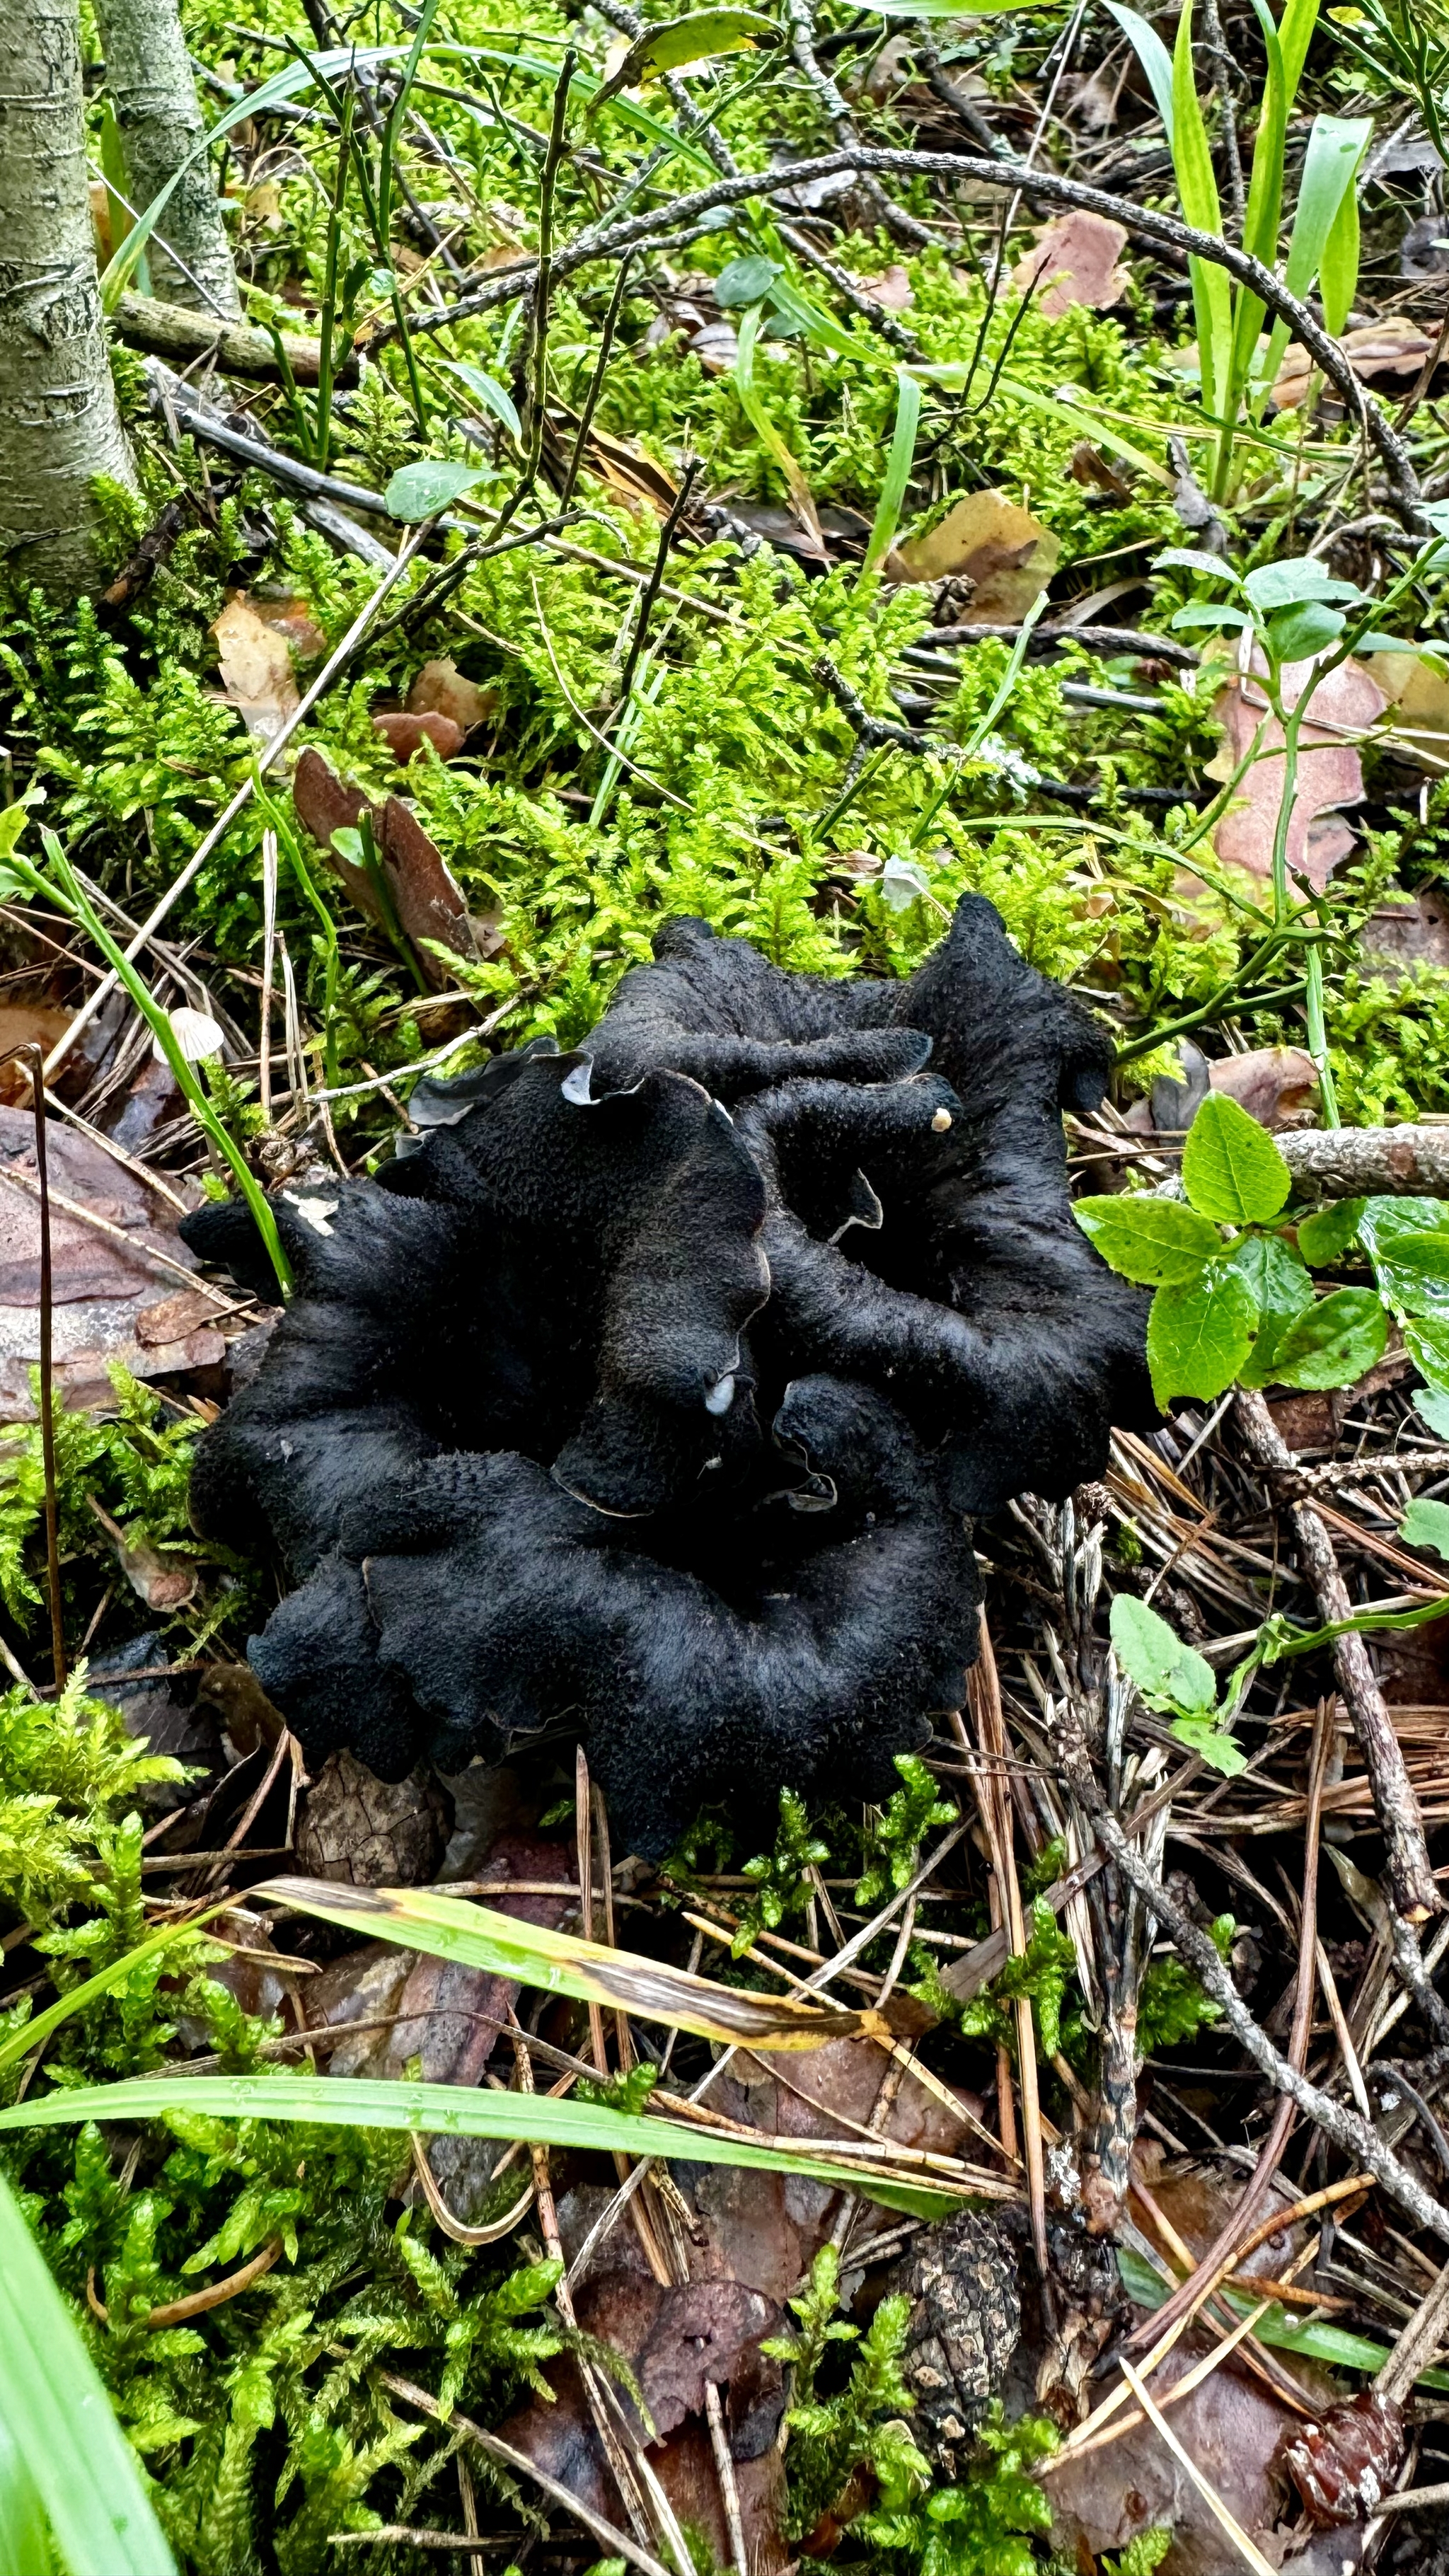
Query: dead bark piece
x,y
1395,1804
370,1832
1369,1162
964,2326
426,896
173,332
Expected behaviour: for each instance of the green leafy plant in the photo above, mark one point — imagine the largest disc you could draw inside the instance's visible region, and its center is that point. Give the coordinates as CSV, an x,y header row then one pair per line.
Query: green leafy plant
x,y
857,2428
996,2522
1234,1299
895,1836
1177,1681
780,1879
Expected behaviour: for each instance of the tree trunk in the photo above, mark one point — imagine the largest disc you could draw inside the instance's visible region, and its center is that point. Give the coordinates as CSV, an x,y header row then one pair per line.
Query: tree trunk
x,y
59,425
149,76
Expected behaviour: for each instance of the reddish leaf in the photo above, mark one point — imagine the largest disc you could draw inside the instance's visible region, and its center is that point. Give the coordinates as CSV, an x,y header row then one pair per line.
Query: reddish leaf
x,y
1346,2462
1074,261
1330,774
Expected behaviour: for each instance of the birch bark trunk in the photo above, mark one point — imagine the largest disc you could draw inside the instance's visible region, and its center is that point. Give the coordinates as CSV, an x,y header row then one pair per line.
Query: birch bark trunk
x,y
153,89
59,424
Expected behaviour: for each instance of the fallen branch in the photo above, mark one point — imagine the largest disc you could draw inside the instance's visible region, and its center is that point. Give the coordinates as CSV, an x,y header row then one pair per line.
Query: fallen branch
x,y
1097,639
1368,1162
1147,224
172,331
1347,2130
1415,1894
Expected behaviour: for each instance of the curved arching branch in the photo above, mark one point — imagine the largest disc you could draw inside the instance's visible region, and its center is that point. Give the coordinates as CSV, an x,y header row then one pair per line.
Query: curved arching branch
x,y
609,242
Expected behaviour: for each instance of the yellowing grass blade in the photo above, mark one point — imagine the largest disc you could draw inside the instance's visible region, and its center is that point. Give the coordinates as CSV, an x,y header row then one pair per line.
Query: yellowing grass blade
x,y
448,1927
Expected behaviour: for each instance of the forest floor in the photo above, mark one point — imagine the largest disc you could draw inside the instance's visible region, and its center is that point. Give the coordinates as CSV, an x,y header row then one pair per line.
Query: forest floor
x,y
846,526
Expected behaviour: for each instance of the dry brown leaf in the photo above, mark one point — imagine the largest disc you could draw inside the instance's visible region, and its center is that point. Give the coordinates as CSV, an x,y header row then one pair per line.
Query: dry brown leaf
x,y
289,613
1408,934
1330,773
1394,347
440,687
173,1318
892,290
405,733
164,1583
1074,260
1418,693
996,545
256,667
427,898
26,1024
1276,1085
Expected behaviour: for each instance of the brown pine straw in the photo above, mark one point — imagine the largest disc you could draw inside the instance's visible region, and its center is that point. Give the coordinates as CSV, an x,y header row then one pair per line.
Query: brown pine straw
x,y
984,1692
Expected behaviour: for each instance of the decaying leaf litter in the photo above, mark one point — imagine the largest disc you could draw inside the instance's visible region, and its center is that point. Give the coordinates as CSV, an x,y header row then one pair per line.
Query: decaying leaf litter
x,y
735,468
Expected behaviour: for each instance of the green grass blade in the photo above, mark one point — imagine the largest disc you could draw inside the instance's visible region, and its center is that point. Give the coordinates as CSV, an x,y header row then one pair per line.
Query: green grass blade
x,y
1154,57
1295,35
1197,190
1322,2342
460,2111
753,407
449,1927
898,471
25,2548
20,2042
1326,214
58,2420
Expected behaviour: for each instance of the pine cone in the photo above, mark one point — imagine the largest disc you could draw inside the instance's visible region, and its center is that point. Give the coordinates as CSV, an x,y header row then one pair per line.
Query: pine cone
x,y
373,1833
964,2324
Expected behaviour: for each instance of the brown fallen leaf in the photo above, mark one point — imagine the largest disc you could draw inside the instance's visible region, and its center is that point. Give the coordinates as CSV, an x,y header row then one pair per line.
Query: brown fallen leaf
x,y
428,900
440,687
1394,347
753,2236
100,1279
26,1024
290,614
1399,935
405,733
1276,1085
990,541
1090,467
1330,773
1417,718
1074,260
173,1318
892,290
256,668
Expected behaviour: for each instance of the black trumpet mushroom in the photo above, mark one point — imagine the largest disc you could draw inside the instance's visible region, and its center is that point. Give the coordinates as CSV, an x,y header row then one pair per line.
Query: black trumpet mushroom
x,y
647,1394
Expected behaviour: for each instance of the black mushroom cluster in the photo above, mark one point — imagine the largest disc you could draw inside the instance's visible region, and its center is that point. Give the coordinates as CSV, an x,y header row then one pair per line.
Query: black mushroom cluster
x,y
648,1394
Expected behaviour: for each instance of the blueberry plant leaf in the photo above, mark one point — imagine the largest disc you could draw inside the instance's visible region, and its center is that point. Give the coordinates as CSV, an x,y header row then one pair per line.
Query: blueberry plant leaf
x,y
1231,1169
1333,1343
1212,1743
1199,1335
1157,1242
1408,1242
1426,1524
1281,1290
1170,1676
1326,1235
